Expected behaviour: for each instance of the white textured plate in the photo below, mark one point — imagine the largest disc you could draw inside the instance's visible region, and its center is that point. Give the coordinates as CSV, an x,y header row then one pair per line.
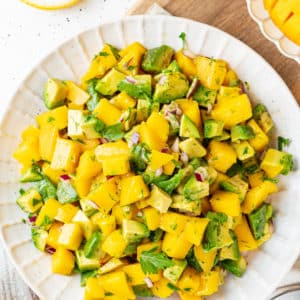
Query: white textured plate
x,y
271,31
266,266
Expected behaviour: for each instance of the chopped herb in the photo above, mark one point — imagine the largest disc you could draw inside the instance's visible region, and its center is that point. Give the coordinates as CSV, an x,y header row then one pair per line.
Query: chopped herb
x,y
103,53
51,119
282,142
187,289
113,132
266,178
46,221
233,83
22,192
130,68
142,291
23,221
152,261
108,294
246,150
35,201
182,36
173,287
247,85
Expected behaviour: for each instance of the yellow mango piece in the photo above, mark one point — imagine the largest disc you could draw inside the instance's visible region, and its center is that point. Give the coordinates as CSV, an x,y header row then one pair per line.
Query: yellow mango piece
x,y
136,276
116,165
191,109
123,101
268,4
101,63
152,218
57,117
176,246
209,283
161,289
189,280
244,236
158,159
149,137
291,27
230,78
133,189
256,179
257,195
54,232
107,112
261,140
107,225
66,213
47,141
221,156
88,166
280,12
206,260
75,94
106,195
70,236
88,144
185,64
173,222
194,230
116,283
267,235
122,212
63,261
188,296
226,202
82,185
210,72
170,166
48,213
94,289
131,58
114,244
228,91
232,110
243,150
158,125
111,149
66,155
146,247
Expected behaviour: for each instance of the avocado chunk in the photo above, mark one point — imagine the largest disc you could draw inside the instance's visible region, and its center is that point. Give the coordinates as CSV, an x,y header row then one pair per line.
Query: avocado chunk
x,y
172,67
170,86
243,150
92,243
85,223
143,109
235,185
205,97
129,118
134,231
75,120
186,206
138,86
66,193
88,207
47,189
55,93
92,127
223,137
111,265
231,252
39,237
237,268
174,272
94,95
188,128
194,189
32,174
84,263
108,85
241,132
213,128
84,276
217,234
30,201
172,183
192,148
159,199
142,291
259,218
263,118
157,59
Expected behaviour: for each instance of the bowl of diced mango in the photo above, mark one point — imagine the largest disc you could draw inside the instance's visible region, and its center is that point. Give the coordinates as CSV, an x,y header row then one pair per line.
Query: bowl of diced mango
x,y
151,171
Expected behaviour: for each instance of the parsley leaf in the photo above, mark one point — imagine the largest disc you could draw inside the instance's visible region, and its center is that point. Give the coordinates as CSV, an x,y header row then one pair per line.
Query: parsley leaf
x,y
182,36
103,53
282,142
173,287
152,261
113,132
266,178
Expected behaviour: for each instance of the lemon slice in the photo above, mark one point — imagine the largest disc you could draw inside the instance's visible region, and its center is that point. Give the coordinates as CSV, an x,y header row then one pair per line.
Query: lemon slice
x,y
50,4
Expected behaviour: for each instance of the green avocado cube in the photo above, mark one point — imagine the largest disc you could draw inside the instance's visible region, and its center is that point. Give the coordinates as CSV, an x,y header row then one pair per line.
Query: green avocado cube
x,y
30,201
231,252
213,128
174,272
192,148
205,96
84,263
134,231
194,189
235,185
55,93
39,237
241,132
188,128
66,193
236,267
32,174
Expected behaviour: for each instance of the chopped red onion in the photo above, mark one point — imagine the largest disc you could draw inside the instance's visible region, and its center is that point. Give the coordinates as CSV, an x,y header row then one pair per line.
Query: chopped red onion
x,y
184,157
188,53
164,150
192,88
50,250
32,219
130,79
65,177
103,140
109,177
159,171
178,112
175,146
199,176
135,138
139,213
162,80
148,282
92,203
121,119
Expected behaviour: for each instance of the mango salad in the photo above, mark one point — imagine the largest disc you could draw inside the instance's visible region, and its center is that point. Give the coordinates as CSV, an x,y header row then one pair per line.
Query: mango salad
x,y
152,176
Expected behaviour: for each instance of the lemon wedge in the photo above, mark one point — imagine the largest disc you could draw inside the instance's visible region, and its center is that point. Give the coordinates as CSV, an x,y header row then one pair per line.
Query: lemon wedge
x,y
50,4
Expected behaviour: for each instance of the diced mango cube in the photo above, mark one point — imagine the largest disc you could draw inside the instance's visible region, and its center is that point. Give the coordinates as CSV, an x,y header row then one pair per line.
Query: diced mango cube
x,y
149,137
158,125
206,260
194,230
48,213
54,232
158,159
176,246
185,64
63,261
75,94
114,244
47,141
209,283
191,109
244,235
161,288
123,101
116,165
173,222
189,280
66,213
107,112
111,149
93,289
261,140
152,218
70,236
57,117
107,225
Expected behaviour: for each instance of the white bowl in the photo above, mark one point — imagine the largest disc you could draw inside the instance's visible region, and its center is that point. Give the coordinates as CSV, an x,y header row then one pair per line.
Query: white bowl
x,y
261,16
266,266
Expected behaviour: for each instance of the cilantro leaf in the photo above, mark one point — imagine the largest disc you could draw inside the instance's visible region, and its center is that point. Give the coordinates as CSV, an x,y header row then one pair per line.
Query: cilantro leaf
x,y
182,36
173,287
152,261
94,95
113,132
282,142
